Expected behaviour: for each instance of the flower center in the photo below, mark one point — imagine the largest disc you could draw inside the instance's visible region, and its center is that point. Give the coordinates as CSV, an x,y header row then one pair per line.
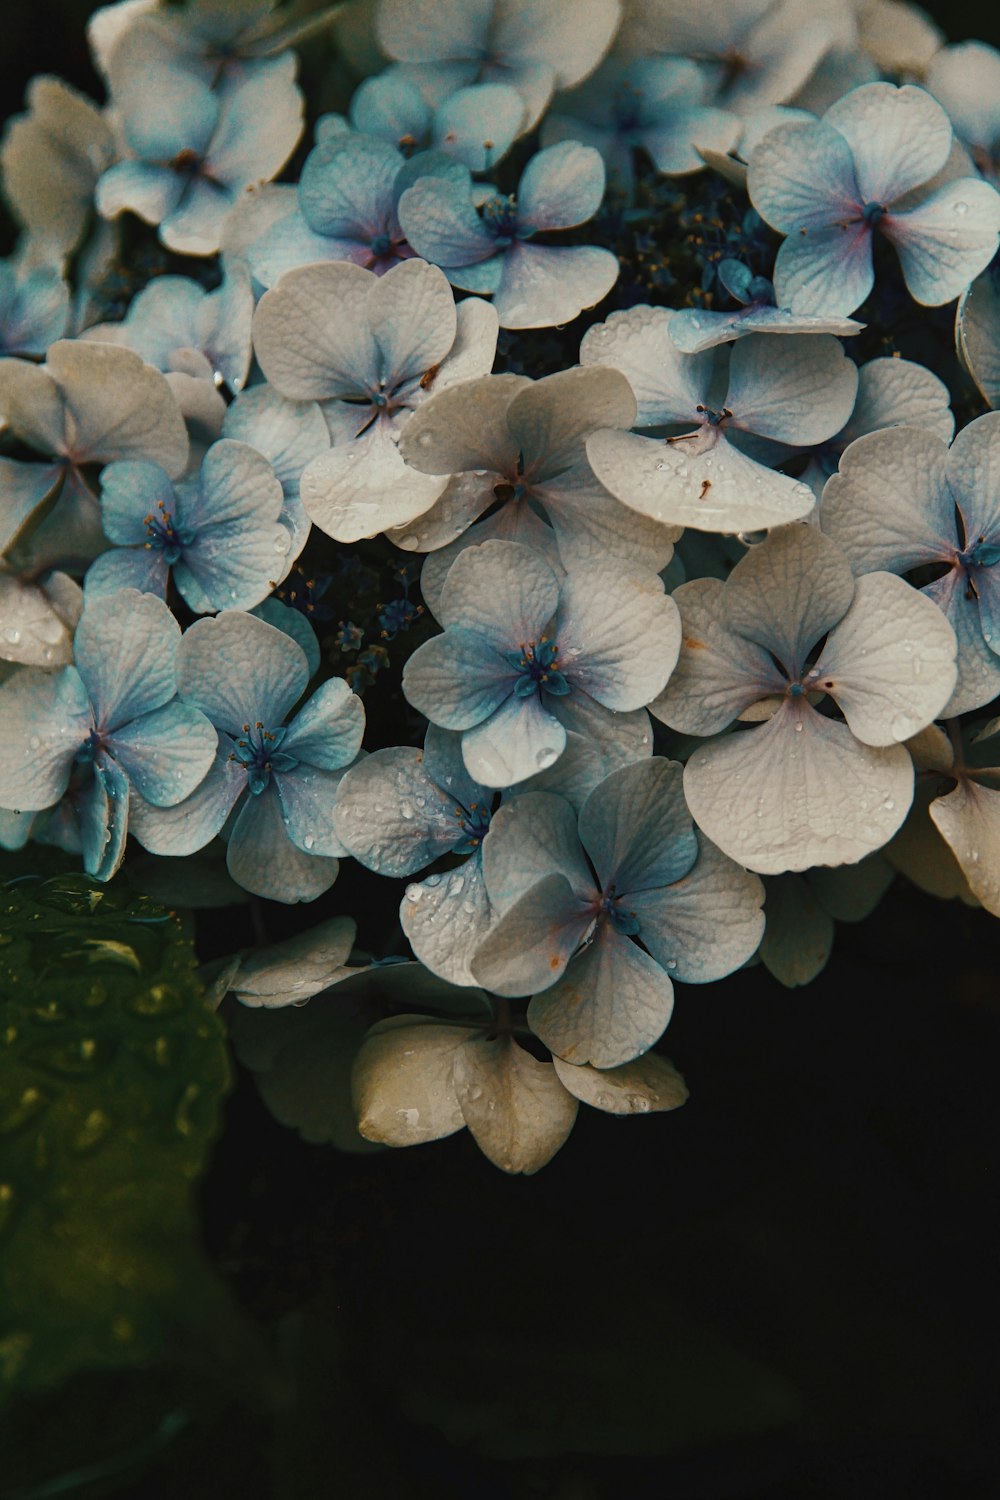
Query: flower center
x,y
164,535
537,667
475,824
623,921
87,752
380,245
500,217
713,418
259,752
872,212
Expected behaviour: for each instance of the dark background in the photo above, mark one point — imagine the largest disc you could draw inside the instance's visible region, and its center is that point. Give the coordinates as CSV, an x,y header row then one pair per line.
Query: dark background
x,y
784,1291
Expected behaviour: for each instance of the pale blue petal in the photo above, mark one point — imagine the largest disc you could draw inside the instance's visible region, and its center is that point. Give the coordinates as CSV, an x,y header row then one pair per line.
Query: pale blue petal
x,y
292,622
232,566
102,812
308,797
978,666
562,185
411,311
239,670
290,243
619,635
327,731
126,652
393,816
131,490
444,765
262,858
827,272
163,318
151,192
668,386
533,835
458,679
288,433
478,125
392,109
503,590
445,917
612,1005
440,221
705,925
166,754
260,123
194,226
544,285
529,947
193,823
46,718
165,112
800,390
127,568
551,419
636,827
946,241
312,335
347,188
898,137
520,738
24,486
801,176
788,592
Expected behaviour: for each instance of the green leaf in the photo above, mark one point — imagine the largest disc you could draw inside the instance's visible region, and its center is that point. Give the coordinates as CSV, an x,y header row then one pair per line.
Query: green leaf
x,y
112,1071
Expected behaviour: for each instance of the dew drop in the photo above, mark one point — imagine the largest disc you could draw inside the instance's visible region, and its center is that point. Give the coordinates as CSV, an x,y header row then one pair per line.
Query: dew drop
x,y
962,208
798,729
546,757
409,542
308,842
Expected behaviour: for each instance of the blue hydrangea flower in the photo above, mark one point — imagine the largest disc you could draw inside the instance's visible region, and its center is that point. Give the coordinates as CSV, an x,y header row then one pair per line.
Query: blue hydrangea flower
x,y
757,52
477,125
176,325
34,306
797,390
524,657
194,150
444,45
788,629
486,245
598,914
106,728
404,339
217,534
516,450
653,104
829,185
214,39
86,405
347,200
694,329
903,499
273,785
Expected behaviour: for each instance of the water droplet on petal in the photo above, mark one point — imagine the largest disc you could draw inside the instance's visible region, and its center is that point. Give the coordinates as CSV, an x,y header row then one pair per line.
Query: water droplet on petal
x,y
961,208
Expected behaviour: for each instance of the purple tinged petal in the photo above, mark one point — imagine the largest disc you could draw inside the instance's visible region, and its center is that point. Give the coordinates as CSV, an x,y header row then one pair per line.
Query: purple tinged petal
x,y
347,188
945,241
440,221
126,652
801,176
165,753
262,858
46,719
239,670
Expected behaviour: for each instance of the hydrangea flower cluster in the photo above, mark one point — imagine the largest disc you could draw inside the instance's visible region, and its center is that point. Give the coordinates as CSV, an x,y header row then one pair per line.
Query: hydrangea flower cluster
x,y
706,640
